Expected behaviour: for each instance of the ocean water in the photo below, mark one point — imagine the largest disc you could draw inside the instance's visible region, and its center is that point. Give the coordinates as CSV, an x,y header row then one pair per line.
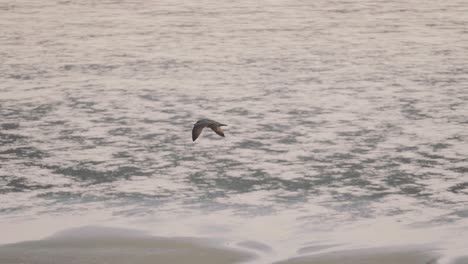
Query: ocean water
x,y
347,120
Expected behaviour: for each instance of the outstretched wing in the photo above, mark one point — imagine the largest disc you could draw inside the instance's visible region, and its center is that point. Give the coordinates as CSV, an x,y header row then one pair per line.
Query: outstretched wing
x,y
218,130
196,131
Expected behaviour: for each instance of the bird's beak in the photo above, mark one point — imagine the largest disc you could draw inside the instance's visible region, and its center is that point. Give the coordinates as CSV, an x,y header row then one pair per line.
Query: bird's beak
x,y
222,125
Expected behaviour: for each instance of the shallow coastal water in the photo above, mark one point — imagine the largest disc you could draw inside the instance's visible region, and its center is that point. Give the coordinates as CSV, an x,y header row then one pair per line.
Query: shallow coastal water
x,y
346,121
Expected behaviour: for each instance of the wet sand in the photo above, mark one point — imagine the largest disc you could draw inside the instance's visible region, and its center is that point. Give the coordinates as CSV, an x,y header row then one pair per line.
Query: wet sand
x,y
92,245
461,260
97,245
369,256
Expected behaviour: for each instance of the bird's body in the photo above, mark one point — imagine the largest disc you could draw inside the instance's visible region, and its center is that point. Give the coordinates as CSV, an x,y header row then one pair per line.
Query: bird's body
x,y
201,124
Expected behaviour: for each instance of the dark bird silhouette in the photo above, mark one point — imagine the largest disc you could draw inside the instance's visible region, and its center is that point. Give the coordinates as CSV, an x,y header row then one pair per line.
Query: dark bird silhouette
x,y
201,124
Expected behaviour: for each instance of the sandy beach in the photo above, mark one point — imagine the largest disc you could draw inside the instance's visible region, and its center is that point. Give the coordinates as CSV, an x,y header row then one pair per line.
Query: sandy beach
x,y
369,256
93,245
96,245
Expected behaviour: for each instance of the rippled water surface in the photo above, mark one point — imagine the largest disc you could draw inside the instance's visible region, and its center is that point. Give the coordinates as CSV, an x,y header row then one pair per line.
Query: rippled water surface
x,y
339,113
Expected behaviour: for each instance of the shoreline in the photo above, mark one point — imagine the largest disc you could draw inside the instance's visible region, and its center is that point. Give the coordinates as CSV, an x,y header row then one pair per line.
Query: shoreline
x,y
95,245
386,255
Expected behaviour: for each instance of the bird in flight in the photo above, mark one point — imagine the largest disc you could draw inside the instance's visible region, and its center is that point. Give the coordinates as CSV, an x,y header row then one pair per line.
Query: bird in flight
x,y
201,124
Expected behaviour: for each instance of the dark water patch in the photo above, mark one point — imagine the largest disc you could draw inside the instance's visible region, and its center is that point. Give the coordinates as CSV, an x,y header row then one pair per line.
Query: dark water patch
x,y
155,121
271,150
240,184
24,72
311,112
68,197
377,188
141,203
41,111
457,138
198,179
414,190
432,156
24,152
207,199
181,119
354,134
80,104
353,178
9,126
30,112
326,174
407,183
402,160
310,159
253,180
152,96
11,138
136,211
167,64
463,213
315,125
142,197
459,188
280,128
92,68
340,157
58,123
238,111
410,111
121,131
108,120
89,107
373,139
122,155
360,150
364,140
463,170
398,178
440,146
91,176
406,149
289,139
98,141
250,144
290,198
68,135
452,217
426,163
21,77
151,136
20,184
178,159
13,210
366,197
223,162
353,168
293,185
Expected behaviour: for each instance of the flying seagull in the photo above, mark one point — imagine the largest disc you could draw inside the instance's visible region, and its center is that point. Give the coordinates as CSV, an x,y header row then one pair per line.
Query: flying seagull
x,y
201,124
